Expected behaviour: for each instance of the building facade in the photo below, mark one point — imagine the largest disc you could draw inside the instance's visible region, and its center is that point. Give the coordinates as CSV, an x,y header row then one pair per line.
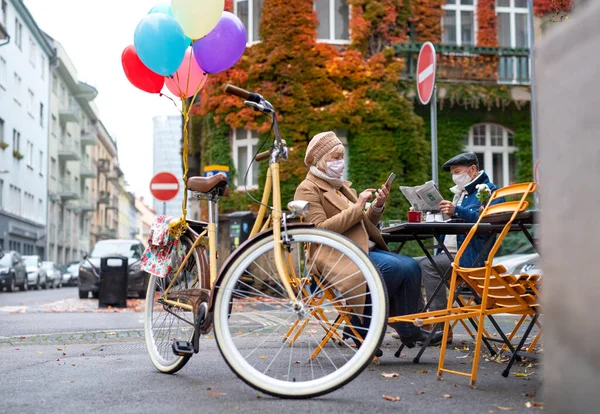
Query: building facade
x,y
71,170
167,158
24,101
146,217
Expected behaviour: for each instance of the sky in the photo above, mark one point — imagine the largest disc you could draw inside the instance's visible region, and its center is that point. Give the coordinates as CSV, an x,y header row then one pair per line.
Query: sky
x,y
94,34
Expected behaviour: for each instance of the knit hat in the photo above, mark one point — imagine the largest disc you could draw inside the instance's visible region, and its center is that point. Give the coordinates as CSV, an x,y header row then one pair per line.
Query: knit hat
x,y
320,145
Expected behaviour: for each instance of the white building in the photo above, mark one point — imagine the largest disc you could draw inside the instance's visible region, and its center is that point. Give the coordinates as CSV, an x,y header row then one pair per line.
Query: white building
x,y
24,127
167,158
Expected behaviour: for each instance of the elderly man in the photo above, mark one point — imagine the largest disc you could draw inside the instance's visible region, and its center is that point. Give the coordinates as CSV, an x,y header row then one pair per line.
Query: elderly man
x,y
465,205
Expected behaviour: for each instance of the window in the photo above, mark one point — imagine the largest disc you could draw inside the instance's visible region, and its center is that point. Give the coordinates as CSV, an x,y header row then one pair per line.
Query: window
x,y
53,126
30,102
15,200
17,82
245,145
40,210
53,170
2,72
4,15
1,130
32,51
41,114
249,12
41,164
334,18
30,154
43,65
458,22
63,94
54,83
513,31
16,140
494,146
18,34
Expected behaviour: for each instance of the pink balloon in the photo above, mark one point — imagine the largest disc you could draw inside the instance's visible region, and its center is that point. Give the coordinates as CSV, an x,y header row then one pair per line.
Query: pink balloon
x,y
188,79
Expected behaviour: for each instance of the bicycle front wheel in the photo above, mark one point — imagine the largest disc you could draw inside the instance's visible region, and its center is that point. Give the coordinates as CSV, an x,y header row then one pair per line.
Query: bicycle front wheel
x,y
164,323
300,353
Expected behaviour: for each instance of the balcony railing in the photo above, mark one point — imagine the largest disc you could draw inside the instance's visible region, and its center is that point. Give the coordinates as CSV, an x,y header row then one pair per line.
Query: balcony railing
x,y
103,165
88,138
105,231
69,112
470,64
68,150
67,190
87,169
87,203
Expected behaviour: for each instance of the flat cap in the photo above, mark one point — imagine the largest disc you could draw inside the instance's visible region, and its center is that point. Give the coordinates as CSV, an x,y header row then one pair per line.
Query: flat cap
x,y
466,158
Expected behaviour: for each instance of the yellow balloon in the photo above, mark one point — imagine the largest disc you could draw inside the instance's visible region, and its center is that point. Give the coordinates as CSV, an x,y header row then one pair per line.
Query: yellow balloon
x,y
197,17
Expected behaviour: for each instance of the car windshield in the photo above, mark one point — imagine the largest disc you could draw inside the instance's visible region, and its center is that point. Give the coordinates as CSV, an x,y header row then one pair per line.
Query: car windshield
x,y
116,249
47,265
73,268
30,261
6,260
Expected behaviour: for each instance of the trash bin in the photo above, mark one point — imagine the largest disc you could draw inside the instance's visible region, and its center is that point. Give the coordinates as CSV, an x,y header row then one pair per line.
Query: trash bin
x,y
240,225
113,282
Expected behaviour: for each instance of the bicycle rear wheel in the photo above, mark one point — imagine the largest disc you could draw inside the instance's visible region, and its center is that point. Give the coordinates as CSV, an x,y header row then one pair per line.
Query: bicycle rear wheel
x,y
163,323
300,354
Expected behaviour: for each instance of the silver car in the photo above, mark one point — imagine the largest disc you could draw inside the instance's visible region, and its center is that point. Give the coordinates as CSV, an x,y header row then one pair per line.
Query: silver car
x,y
53,275
36,275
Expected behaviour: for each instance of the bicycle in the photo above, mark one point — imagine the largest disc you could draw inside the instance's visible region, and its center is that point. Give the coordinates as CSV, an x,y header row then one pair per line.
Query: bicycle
x,y
281,313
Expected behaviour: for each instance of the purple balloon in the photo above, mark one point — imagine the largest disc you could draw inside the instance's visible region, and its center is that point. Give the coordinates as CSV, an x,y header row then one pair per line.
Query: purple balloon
x,y
223,46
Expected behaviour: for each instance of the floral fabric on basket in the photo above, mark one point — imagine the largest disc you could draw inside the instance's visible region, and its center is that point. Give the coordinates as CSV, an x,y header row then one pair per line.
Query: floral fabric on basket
x,y
164,254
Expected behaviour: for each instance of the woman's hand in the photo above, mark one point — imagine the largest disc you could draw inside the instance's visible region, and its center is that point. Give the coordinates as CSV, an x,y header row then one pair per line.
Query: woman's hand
x,y
382,195
447,208
365,196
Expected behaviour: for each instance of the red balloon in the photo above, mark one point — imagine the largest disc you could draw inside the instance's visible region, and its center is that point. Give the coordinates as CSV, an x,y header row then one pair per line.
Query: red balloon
x,y
138,74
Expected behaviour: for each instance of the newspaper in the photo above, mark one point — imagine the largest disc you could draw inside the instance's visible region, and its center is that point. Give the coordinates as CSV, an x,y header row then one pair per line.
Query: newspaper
x,y
424,197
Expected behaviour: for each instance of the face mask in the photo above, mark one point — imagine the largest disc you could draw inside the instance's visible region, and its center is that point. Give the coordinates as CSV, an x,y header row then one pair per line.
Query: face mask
x,y
335,169
461,180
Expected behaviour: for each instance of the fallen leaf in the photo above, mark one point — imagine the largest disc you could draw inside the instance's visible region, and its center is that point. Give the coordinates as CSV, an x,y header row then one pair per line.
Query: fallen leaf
x,y
463,357
530,395
38,352
22,337
389,374
240,332
297,362
215,394
72,365
505,408
209,388
420,393
455,385
390,398
64,353
522,374
530,366
59,349
422,371
259,396
465,348
58,359
535,404
264,357
446,396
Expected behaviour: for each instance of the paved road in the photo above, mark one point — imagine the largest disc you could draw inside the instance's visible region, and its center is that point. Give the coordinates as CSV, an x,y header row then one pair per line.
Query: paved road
x,y
69,361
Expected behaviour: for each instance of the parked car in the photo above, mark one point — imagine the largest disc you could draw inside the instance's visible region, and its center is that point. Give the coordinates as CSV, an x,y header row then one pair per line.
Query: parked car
x,y
12,272
36,276
53,274
89,271
70,273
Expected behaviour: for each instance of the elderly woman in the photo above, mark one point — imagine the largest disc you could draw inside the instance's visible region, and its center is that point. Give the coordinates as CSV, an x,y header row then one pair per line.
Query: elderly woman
x,y
335,206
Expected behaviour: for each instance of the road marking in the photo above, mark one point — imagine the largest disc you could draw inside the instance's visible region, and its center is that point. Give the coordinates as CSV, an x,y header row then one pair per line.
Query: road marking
x,y
158,186
427,72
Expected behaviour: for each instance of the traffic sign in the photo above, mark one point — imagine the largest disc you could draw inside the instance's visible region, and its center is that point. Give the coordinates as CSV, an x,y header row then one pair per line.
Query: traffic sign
x,y
164,186
426,72
211,170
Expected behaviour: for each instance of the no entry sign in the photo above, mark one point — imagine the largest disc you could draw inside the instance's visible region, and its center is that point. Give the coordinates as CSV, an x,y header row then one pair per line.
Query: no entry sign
x,y
426,72
164,186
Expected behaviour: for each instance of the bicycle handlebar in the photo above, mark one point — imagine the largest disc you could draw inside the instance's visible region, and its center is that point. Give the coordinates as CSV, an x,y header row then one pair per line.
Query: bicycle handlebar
x,y
261,156
242,93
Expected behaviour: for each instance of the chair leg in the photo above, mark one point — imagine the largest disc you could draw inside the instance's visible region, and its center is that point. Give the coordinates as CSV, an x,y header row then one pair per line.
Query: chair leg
x,y
477,352
513,333
443,350
521,344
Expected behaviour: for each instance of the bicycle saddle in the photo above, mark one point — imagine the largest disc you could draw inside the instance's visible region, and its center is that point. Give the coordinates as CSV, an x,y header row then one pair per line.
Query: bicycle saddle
x,y
217,182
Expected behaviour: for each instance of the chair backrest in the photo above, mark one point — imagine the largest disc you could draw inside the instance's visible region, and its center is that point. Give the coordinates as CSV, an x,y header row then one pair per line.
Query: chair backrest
x,y
522,190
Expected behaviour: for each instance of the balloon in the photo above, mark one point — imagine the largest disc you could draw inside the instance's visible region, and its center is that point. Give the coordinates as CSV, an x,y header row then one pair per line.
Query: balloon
x,y
160,43
165,8
223,46
188,79
197,17
138,74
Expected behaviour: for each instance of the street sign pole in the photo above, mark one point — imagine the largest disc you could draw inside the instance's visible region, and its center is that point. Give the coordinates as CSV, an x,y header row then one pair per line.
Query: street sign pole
x,y
165,208
434,148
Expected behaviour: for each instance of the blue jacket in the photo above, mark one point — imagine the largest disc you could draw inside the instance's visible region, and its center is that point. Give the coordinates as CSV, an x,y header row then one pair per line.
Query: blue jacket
x,y
469,212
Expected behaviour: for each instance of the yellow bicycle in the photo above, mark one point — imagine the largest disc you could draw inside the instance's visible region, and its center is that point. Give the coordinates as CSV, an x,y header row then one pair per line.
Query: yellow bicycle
x,y
297,311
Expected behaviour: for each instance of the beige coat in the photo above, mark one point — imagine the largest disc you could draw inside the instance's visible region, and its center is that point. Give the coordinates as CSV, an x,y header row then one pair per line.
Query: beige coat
x,y
328,210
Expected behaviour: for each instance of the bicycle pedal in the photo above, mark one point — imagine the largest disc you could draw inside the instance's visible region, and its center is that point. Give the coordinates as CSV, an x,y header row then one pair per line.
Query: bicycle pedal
x,y
183,348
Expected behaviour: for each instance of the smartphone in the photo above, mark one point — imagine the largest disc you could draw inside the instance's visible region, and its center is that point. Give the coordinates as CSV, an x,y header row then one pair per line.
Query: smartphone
x,y
390,180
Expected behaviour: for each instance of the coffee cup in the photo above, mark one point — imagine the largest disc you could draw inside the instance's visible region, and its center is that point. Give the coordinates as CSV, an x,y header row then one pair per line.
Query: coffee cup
x,y
414,216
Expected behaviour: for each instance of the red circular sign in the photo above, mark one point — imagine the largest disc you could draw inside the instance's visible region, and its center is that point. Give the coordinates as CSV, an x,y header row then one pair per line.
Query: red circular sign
x,y
164,186
426,72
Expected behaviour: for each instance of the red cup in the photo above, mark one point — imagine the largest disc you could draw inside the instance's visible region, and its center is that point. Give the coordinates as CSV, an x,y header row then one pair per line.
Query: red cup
x,y
414,216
